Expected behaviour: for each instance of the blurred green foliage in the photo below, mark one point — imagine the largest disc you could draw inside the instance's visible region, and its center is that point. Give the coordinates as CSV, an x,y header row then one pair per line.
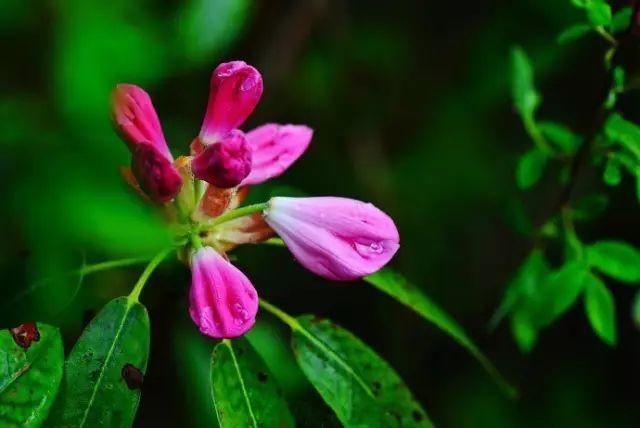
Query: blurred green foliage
x,y
411,106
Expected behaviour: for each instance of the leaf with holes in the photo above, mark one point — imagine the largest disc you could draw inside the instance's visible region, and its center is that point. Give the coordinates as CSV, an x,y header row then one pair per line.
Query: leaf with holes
x,y
360,387
396,286
243,390
104,371
30,374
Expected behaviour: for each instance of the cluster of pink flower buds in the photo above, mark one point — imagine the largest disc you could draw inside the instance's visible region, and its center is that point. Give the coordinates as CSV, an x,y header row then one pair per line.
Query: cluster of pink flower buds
x,y
337,238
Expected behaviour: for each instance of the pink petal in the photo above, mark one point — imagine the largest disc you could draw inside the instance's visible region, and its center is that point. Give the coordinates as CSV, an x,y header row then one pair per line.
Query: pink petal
x,y
274,149
235,91
136,119
156,175
336,238
223,302
226,163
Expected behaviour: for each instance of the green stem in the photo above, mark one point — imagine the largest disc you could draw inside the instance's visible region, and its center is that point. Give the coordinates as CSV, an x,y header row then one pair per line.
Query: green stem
x,y
198,190
111,264
238,212
196,242
536,135
81,272
606,35
280,314
153,264
570,233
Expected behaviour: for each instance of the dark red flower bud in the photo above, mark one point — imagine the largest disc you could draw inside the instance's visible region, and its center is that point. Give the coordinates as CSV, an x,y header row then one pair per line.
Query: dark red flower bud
x,y
226,163
156,174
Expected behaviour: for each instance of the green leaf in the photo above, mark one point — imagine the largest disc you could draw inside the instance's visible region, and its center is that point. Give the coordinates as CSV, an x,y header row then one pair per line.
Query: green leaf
x,y
600,308
524,331
616,259
103,373
243,391
599,13
530,168
29,378
623,132
360,387
557,294
589,207
560,135
573,33
396,286
612,174
621,19
525,97
527,279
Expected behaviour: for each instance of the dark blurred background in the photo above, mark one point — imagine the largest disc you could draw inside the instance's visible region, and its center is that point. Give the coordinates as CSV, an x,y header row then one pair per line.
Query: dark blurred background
x,y
411,110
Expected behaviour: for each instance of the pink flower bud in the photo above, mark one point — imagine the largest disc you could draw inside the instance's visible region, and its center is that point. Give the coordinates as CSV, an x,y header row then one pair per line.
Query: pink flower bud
x,y
226,163
156,175
336,238
222,301
235,90
274,148
136,119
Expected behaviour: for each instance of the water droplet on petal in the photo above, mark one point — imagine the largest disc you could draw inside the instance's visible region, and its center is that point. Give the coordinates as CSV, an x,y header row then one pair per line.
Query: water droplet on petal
x,y
376,248
371,249
241,315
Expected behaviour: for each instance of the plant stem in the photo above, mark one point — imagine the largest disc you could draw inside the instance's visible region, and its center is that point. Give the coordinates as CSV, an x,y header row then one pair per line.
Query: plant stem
x,y
536,135
280,314
606,35
196,242
111,264
85,270
238,212
153,264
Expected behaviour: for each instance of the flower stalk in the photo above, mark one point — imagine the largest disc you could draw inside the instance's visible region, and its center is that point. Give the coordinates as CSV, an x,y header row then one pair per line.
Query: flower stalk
x,y
153,264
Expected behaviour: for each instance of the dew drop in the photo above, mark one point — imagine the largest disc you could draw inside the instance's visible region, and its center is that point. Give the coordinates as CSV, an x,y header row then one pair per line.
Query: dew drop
x,y
241,315
373,248
376,248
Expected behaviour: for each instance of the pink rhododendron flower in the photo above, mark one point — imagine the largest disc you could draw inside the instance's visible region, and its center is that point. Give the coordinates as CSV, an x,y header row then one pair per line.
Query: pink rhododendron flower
x,y
235,91
337,238
222,301
222,157
152,163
